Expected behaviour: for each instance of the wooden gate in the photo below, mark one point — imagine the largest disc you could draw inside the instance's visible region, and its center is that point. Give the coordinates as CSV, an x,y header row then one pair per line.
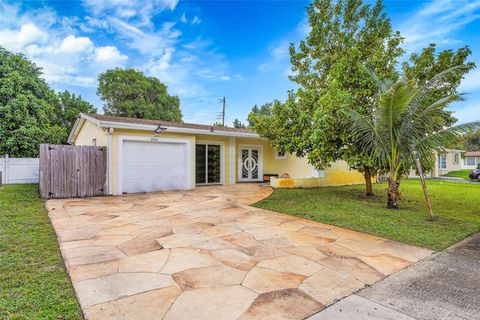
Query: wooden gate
x,y
72,171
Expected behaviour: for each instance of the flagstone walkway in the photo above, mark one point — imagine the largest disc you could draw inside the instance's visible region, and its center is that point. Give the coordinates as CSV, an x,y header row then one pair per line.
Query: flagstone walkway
x,y
206,254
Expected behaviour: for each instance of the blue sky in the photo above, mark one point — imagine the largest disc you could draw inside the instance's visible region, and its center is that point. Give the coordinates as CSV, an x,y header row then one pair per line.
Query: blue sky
x,y
204,50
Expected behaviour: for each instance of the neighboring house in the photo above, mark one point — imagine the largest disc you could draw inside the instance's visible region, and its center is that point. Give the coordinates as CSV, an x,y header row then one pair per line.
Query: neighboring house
x,y
471,159
449,160
151,155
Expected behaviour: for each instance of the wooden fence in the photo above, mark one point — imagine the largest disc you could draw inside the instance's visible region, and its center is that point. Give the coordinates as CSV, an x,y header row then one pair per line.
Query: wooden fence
x,y
72,171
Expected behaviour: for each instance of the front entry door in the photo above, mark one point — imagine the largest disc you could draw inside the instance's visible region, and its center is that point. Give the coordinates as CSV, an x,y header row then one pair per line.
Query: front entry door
x,y
250,164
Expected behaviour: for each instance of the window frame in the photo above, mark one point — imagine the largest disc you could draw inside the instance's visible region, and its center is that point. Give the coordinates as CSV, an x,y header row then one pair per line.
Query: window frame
x,y
442,161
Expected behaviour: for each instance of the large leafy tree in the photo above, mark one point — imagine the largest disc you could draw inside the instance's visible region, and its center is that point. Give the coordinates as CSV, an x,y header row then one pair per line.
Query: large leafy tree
x,y
67,106
27,117
428,63
347,38
404,126
129,93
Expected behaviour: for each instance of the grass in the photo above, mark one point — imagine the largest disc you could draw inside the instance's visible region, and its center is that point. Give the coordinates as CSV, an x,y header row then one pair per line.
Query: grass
x,y
455,205
33,280
459,174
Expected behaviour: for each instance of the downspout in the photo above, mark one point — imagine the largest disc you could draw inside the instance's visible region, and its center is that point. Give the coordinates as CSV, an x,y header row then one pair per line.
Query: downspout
x,y
110,160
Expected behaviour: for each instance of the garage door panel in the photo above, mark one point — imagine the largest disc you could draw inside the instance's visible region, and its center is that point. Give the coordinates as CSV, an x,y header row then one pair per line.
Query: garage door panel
x,y
154,166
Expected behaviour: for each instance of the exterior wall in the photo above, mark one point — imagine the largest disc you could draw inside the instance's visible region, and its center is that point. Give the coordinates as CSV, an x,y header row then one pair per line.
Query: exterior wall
x,y
337,174
451,165
472,167
297,168
90,131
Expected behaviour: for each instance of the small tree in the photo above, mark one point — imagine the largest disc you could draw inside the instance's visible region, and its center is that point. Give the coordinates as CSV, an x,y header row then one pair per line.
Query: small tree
x,y
403,127
129,93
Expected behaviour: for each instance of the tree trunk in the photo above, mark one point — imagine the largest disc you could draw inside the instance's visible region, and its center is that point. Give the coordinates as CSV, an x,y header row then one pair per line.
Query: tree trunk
x,y
425,190
393,193
368,181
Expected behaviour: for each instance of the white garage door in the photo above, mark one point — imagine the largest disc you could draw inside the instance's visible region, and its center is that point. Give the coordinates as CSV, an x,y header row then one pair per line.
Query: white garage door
x,y
153,166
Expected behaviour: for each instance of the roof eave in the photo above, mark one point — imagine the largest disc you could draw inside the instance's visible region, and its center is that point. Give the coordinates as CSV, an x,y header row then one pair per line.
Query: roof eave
x,y
148,127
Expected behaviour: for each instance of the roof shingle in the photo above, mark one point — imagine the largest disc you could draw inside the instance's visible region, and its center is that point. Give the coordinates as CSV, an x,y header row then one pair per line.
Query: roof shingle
x,y
472,154
102,117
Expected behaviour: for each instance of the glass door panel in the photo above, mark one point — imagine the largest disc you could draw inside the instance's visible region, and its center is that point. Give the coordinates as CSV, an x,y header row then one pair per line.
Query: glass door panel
x,y
213,163
200,163
245,163
254,164
207,164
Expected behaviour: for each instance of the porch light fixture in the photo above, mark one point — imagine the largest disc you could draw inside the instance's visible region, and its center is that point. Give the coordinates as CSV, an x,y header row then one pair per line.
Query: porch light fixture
x,y
159,129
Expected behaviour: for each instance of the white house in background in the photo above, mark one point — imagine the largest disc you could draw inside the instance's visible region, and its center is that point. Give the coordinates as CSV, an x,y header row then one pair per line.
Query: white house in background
x,y
471,159
450,160
454,160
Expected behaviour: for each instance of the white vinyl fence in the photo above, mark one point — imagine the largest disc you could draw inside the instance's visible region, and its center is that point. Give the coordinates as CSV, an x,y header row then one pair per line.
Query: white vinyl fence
x,y
19,170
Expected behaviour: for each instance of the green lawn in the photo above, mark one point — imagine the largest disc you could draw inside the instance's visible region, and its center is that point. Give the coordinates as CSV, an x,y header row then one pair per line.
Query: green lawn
x,y
33,280
459,174
456,206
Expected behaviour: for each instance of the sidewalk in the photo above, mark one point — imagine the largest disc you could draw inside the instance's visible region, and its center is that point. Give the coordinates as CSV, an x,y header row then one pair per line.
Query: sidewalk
x,y
444,286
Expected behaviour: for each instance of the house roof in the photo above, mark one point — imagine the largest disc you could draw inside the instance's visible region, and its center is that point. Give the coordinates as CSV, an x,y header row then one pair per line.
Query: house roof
x,y
106,121
472,154
116,119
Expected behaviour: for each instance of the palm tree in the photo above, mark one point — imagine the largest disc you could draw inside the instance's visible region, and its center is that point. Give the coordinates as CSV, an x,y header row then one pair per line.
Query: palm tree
x,y
402,128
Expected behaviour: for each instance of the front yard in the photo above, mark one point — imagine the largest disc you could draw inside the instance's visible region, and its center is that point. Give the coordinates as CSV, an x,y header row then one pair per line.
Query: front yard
x,y
455,205
33,281
459,174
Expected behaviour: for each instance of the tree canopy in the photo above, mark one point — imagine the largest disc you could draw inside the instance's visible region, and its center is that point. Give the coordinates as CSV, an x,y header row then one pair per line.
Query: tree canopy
x,y
27,116
129,93
67,106
346,38
30,111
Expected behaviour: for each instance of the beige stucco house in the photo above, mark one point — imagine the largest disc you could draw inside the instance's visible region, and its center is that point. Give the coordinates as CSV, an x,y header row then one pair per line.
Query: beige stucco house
x,y
150,155
449,160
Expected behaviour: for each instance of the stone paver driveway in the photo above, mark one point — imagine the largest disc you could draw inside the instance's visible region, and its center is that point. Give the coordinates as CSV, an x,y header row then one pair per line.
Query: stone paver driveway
x,y
206,254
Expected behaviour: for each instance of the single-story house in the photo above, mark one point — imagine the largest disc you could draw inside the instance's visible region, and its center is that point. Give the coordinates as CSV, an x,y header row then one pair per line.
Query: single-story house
x,y
449,160
151,155
471,159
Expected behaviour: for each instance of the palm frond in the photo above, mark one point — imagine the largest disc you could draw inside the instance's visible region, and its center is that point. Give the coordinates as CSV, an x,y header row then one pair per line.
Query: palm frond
x,y
443,137
370,138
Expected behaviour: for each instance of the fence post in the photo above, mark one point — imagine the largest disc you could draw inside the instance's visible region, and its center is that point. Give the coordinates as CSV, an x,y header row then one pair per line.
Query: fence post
x,y
6,169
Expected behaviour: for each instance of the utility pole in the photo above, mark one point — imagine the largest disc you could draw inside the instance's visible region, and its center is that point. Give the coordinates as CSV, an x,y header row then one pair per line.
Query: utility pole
x,y
223,110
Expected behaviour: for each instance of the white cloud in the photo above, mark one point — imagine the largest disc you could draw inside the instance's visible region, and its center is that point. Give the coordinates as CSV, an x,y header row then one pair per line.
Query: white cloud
x,y
436,21
467,112
224,78
196,20
471,82
109,57
147,42
27,34
183,18
49,41
139,12
76,45
278,55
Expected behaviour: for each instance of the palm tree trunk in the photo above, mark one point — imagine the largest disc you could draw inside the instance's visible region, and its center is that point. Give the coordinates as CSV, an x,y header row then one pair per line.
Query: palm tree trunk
x,y
425,190
393,192
368,181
